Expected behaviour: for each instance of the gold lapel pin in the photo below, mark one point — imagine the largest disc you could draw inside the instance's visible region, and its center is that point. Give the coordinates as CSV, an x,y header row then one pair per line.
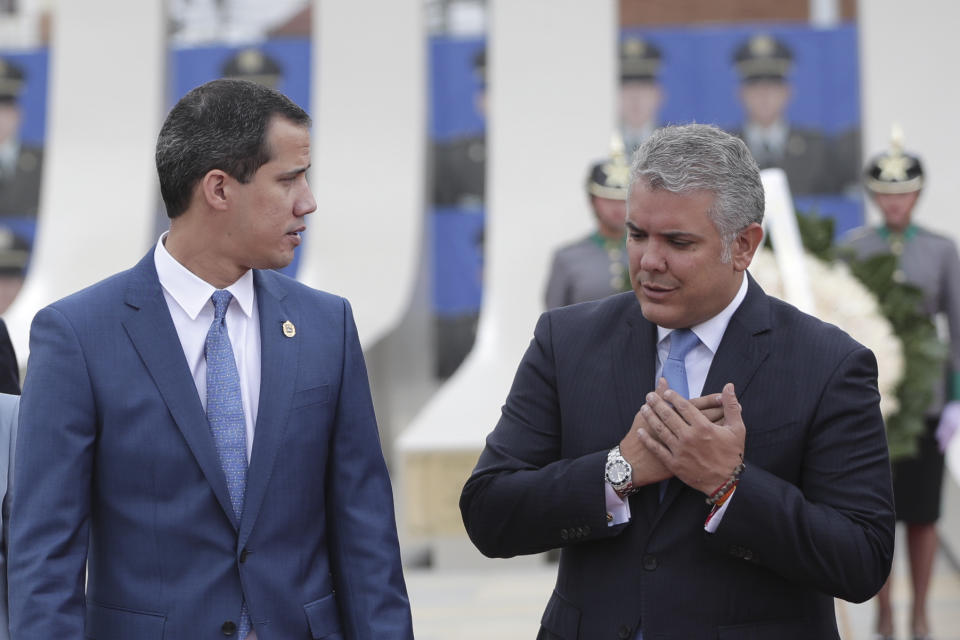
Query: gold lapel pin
x,y
288,329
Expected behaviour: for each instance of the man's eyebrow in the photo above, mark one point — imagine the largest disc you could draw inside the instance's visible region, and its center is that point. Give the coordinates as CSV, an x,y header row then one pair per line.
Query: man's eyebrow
x,y
295,172
668,234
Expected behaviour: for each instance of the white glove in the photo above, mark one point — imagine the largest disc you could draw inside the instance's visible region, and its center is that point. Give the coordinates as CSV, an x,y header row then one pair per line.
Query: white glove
x,y
949,422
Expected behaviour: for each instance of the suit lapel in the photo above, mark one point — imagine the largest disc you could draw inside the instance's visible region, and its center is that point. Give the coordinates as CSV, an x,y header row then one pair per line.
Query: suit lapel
x,y
634,371
634,365
154,336
278,370
745,345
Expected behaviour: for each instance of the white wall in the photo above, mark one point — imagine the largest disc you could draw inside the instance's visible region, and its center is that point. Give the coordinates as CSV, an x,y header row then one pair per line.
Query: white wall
x,y
908,55
99,194
552,83
369,104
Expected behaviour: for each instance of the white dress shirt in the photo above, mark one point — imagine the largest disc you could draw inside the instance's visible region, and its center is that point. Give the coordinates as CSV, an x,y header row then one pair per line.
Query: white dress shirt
x,y
767,143
188,298
697,364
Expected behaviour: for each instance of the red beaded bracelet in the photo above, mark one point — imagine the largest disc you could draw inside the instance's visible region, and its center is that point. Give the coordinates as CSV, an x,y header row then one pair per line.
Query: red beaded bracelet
x,y
723,491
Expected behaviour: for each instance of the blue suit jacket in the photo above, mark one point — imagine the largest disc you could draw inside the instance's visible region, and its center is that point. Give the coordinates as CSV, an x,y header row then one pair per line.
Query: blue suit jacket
x,y
117,473
811,518
9,405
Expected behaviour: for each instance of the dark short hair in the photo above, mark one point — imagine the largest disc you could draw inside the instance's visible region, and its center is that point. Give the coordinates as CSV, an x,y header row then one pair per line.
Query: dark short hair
x,y
219,125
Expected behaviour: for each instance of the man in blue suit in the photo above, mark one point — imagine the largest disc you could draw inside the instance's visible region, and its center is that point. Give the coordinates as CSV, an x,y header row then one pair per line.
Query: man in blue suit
x,y
197,435
675,523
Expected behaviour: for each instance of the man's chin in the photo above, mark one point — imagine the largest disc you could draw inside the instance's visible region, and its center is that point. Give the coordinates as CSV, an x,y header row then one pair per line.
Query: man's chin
x,y
659,314
275,262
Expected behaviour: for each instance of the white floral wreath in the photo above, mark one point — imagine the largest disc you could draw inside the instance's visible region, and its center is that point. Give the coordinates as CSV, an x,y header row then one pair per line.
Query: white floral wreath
x,y
842,300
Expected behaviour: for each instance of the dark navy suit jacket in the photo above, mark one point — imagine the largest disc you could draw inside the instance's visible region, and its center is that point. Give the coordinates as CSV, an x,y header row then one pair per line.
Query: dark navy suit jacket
x,y
812,517
117,473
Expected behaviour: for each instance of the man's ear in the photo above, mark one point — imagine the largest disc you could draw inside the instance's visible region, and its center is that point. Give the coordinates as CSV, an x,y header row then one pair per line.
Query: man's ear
x,y
745,245
213,189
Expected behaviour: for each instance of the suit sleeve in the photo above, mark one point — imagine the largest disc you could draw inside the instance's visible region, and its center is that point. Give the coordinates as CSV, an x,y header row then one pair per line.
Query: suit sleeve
x,y
834,530
523,496
8,418
556,293
364,548
9,368
51,508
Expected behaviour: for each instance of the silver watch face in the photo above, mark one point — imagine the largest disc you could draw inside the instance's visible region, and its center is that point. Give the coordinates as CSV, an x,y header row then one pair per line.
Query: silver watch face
x,y
618,472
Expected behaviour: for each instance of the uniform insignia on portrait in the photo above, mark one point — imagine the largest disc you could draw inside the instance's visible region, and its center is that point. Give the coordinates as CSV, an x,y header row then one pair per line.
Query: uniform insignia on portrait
x,y
29,161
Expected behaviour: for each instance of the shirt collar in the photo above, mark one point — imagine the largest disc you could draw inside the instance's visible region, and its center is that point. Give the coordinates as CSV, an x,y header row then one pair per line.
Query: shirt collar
x,y
775,135
908,234
9,151
711,331
192,292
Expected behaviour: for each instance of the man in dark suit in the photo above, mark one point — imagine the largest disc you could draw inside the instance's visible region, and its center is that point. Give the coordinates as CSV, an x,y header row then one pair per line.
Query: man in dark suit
x,y
692,525
197,432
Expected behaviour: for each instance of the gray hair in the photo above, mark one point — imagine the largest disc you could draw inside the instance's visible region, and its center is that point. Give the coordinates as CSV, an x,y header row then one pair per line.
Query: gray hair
x,y
699,157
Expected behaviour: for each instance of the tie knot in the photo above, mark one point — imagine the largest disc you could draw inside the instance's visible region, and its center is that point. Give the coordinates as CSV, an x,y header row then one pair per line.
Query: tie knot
x,y
681,342
221,300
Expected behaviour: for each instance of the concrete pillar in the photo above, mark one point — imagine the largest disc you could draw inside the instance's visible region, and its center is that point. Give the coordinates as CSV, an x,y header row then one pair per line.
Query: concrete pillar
x,y
99,196
552,79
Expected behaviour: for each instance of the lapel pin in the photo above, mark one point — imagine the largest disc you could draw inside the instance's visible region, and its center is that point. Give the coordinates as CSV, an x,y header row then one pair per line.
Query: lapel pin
x,y
288,329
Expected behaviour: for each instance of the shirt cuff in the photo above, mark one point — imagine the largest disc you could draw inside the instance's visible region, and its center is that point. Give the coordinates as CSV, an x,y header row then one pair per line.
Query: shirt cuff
x,y
716,514
618,510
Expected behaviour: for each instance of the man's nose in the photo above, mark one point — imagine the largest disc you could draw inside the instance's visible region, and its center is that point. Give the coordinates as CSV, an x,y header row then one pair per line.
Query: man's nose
x,y
306,203
652,258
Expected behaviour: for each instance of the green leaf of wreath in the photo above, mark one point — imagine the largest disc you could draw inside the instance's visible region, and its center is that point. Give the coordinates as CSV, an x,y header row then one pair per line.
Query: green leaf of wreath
x,y
901,303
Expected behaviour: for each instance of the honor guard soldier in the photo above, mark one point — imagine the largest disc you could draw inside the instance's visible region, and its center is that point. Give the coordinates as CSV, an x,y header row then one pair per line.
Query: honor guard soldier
x,y
928,261
764,64
254,65
459,178
459,165
596,266
640,92
21,164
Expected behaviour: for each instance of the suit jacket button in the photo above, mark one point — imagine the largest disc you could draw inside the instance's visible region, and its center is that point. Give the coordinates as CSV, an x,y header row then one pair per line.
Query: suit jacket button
x,y
229,628
747,554
564,534
586,530
243,555
624,632
650,562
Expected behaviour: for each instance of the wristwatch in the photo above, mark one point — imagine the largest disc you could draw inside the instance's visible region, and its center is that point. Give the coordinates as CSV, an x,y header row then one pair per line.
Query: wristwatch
x,y
619,473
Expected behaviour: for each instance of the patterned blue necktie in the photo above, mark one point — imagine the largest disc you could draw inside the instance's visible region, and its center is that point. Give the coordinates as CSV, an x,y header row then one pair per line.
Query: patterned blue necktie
x,y
681,342
225,415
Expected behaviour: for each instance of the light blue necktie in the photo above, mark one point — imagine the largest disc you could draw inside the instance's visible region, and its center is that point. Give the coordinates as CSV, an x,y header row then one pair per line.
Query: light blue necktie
x,y
674,370
225,415
681,342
